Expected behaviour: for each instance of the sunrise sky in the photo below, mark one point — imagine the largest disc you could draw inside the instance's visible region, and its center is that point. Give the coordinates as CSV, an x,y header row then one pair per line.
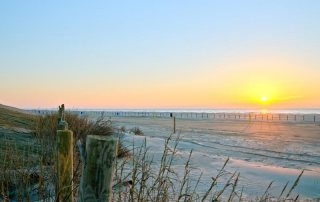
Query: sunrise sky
x,y
160,54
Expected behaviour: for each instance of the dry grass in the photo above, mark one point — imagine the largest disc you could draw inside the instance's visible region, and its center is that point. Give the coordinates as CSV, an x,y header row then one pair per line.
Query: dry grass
x,y
33,166
136,131
15,119
140,178
28,173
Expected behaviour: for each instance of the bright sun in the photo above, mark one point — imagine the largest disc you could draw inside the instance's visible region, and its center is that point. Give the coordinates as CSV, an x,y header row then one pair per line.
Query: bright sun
x,y
264,98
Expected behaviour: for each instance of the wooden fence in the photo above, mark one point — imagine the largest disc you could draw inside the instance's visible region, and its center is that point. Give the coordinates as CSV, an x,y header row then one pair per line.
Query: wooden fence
x,y
307,118
219,116
98,165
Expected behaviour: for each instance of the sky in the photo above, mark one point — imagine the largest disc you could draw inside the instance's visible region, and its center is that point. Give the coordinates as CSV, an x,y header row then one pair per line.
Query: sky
x,y
160,54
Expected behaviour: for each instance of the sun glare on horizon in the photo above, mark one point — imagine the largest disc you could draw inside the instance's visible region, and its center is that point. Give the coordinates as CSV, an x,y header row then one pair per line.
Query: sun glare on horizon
x,y
264,98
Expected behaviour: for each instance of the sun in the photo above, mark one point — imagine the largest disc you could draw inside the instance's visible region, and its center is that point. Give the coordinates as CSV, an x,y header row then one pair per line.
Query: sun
x,y
264,98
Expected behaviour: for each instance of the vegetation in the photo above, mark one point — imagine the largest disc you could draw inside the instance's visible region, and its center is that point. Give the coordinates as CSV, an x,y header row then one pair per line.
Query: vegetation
x,y
140,178
15,118
136,131
28,169
28,152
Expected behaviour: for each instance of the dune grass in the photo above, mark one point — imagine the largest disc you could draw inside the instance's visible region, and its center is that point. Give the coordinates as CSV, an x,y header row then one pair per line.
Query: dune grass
x,y
27,171
15,119
28,157
141,178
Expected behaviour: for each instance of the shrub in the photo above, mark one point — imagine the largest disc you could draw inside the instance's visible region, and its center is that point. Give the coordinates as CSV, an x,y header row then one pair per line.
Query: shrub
x,y
122,129
136,131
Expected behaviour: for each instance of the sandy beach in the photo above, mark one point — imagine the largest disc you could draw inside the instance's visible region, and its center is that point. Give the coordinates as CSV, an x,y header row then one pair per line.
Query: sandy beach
x,y
263,151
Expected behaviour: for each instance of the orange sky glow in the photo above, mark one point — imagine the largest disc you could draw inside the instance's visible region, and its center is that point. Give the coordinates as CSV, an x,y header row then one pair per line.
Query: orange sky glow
x,y
168,54
239,84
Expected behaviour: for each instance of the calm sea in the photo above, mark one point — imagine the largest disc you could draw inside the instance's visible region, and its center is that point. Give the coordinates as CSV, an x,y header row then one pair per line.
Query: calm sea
x,y
276,111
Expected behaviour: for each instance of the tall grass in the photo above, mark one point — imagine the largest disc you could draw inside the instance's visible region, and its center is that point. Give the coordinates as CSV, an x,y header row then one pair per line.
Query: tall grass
x,y
29,174
141,178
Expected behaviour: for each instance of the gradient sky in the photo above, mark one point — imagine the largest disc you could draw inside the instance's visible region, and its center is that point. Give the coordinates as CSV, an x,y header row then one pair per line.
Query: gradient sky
x,y
159,54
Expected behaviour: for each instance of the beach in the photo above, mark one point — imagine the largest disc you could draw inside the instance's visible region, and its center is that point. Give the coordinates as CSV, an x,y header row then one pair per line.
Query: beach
x,y
261,150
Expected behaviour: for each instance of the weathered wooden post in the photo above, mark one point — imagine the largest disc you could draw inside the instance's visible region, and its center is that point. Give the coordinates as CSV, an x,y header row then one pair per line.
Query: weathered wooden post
x,y
174,124
98,169
65,159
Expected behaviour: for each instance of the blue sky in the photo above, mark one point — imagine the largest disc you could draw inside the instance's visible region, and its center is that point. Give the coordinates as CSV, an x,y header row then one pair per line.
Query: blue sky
x,y
56,48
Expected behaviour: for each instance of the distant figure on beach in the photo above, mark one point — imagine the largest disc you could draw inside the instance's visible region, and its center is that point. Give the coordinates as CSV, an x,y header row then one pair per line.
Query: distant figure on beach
x,y
171,115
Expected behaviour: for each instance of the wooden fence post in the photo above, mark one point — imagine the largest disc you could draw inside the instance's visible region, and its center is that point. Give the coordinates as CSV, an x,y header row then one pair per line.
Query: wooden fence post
x,y
65,165
64,187
97,173
174,125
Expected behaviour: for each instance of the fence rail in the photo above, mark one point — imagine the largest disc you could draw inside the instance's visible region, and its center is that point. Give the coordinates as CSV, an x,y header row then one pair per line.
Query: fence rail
x,y
307,118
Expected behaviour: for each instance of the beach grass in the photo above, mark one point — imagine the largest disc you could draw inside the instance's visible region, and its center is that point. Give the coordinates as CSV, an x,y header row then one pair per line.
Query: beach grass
x,y
28,169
